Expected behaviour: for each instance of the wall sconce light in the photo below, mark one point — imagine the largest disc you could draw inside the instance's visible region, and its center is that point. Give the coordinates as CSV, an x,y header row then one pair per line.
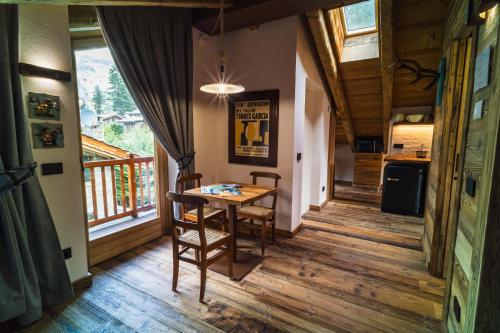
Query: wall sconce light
x,y
48,73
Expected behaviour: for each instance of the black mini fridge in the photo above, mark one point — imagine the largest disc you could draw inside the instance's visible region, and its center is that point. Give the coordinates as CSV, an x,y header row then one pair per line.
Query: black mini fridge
x,y
404,189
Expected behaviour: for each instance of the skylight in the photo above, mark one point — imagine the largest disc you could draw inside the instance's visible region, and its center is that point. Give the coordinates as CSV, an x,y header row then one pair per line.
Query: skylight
x,y
360,18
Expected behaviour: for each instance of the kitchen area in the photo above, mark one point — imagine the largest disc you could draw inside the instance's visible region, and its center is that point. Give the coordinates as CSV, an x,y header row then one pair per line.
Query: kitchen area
x,y
396,181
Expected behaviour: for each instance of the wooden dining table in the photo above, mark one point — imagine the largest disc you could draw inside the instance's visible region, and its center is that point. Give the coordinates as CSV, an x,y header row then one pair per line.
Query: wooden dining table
x,y
243,262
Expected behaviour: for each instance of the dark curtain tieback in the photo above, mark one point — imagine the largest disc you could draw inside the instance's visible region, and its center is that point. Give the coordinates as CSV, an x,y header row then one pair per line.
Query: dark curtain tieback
x,y
185,161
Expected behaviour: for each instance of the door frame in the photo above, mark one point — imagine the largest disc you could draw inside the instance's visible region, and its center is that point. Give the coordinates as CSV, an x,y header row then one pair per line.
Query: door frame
x,y
161,188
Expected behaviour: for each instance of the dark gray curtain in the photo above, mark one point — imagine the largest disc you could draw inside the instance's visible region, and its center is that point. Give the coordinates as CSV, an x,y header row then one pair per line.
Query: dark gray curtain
x,y
32,269
153,50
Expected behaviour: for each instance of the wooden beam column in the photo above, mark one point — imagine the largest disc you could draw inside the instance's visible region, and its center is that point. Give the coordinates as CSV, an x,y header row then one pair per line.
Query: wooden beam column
x,y
318,22
155,3
386,59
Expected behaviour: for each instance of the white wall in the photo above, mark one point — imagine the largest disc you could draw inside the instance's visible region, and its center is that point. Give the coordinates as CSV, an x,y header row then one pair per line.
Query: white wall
x,y
312,123
344,163
259,60
45,41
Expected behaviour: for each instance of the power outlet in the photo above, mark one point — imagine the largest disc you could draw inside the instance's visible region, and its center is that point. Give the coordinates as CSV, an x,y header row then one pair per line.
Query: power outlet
x,y
67,253
398,146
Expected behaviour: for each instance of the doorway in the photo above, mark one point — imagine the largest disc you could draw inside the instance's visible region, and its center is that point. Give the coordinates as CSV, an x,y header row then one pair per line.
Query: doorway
x,y
119,159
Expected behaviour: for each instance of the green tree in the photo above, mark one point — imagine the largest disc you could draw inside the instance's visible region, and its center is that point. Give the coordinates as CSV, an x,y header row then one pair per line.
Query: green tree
x,y
113,134
98,99
121,100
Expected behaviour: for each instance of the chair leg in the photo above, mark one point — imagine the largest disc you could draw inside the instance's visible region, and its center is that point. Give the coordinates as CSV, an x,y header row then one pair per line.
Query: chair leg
x,y
176,267
229,260
263,236
273,232
203,275
197,257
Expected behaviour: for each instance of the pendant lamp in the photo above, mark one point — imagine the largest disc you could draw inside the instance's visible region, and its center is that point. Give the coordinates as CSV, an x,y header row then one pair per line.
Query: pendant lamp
x,y
222,88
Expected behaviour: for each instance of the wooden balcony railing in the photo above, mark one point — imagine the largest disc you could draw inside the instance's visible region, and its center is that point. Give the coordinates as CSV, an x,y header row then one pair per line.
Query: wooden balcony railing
x,y
129,195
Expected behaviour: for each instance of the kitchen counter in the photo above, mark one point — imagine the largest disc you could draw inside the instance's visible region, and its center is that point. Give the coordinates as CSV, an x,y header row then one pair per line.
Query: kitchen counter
x,y
406,159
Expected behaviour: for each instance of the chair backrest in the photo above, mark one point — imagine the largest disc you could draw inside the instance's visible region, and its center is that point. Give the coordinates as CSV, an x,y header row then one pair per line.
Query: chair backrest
x,y
191,200
180,183
269,175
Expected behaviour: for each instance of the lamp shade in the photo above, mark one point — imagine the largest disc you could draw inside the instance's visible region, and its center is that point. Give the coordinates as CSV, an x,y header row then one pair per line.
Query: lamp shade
x,y
222,88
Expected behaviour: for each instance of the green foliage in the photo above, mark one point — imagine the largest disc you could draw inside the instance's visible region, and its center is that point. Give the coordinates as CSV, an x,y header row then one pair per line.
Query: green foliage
x,y
137,140
113,134
121,100
98,99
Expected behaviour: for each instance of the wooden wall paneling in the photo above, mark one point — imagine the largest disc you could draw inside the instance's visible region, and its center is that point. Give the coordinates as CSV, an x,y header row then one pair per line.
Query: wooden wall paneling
x,y
439,151
418,35
449,153
367,169
386,59
480,308
458,159
488,302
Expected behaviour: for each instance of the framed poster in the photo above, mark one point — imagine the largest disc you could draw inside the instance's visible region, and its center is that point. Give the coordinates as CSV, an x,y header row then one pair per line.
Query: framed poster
x,y
253,128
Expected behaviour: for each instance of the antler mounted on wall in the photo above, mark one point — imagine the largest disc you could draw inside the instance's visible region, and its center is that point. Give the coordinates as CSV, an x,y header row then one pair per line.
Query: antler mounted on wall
x,y
419,71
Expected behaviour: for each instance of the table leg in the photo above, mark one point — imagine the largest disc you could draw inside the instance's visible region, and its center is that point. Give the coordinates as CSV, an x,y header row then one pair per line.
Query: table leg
x,y
232,229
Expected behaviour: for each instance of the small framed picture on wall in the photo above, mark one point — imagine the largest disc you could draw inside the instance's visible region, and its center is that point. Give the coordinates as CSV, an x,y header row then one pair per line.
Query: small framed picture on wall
x,y
253,128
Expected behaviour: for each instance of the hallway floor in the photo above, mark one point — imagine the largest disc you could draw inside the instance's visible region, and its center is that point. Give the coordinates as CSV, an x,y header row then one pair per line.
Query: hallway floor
x,y
350,269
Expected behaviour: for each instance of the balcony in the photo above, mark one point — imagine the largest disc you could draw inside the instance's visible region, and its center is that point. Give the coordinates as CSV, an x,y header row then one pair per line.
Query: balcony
x,y
115,200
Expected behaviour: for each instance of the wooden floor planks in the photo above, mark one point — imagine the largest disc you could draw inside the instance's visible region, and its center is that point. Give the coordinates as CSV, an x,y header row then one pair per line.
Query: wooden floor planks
x,y
335,275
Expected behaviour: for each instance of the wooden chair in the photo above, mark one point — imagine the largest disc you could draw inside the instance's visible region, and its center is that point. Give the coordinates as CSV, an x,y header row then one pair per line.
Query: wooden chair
x,y
196,236
214,216
263,215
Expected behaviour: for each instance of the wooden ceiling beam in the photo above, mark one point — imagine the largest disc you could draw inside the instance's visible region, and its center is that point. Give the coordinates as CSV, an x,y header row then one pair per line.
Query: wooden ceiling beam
x,y
318,23
157,3
386,60
246,13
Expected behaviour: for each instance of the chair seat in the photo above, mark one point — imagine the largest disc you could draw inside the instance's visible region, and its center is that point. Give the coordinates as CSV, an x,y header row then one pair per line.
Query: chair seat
x,y
257,212
212,236
208,213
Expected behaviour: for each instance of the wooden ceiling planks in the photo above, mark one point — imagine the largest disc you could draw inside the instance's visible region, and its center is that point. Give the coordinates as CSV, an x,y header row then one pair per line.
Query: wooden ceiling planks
x,y
246,13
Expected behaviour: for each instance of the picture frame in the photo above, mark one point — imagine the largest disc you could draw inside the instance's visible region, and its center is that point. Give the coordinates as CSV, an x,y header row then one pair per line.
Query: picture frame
x,y
47,135
253,121
43,106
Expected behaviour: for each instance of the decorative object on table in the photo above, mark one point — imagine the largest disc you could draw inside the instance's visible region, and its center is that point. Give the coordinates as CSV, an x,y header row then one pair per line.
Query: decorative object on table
x,y
47,135
221,189
415,118
478,110
221,88
43,106
482,70
253,128
421,153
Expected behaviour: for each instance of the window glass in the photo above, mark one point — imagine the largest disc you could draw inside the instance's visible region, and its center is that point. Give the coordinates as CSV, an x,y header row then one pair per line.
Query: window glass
x,y
360,16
